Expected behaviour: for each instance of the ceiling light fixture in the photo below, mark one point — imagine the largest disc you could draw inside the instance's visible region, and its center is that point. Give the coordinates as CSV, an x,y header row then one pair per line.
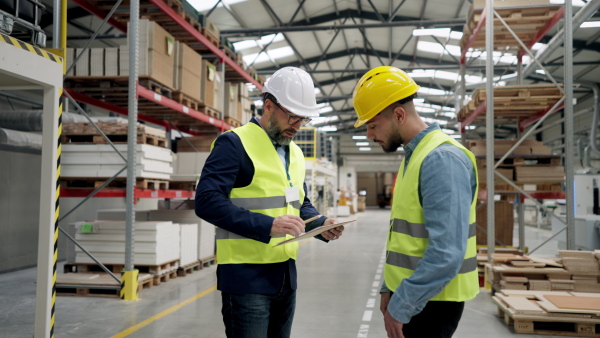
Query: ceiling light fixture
x,y
359,137
431,31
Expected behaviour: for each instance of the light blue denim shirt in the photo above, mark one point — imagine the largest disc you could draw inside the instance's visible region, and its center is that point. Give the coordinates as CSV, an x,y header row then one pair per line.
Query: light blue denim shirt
x,y
446,188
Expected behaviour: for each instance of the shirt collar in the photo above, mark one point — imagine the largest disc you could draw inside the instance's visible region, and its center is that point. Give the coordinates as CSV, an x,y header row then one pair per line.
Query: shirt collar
x,y
410,147
255,120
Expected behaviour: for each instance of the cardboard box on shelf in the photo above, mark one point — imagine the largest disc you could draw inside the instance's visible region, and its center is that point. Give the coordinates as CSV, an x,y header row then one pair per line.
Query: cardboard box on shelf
x,y
201,143
156,53
539,173
188,71
506,172
501,147
209,72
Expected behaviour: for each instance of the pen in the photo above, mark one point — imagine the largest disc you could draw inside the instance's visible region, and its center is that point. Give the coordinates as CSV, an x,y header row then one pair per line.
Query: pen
x,y
311,219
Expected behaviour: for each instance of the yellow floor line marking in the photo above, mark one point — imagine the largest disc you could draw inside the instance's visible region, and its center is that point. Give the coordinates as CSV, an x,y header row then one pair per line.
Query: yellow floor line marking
x,y
164,313
174,308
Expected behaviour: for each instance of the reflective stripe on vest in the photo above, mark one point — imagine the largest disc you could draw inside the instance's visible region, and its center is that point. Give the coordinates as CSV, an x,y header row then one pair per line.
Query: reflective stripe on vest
x,y
259,203
418,230
265,195
408,238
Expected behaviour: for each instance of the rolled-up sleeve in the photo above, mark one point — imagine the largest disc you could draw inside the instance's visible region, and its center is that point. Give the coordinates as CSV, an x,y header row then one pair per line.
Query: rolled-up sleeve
x,y
446,192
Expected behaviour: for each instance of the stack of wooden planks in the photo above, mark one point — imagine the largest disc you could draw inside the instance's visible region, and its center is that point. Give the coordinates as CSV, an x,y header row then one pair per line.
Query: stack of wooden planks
x,y
525,18
512,103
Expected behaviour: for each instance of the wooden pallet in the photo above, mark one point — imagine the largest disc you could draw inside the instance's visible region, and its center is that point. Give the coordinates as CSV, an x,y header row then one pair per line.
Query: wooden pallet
x,y
527,317
119,182
513,102
108,128
99,139
182,185
522,160
95,284
528,187
209,111
186,100
182,271
118,267
232,122
228,52
156,87
207,261
210,36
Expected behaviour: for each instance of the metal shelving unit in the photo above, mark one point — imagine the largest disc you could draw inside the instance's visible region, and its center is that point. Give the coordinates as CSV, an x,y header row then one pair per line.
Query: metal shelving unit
x,y
23,66
158,109
536,118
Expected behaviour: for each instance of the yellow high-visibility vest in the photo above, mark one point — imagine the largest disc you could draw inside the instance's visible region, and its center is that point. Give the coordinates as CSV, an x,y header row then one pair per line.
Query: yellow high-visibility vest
x,y
265,195
408,237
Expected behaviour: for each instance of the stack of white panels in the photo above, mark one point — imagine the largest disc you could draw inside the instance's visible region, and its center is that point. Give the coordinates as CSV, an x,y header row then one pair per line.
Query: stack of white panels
x,y
206,231
189,244
100,160
156,243
188,166
206,246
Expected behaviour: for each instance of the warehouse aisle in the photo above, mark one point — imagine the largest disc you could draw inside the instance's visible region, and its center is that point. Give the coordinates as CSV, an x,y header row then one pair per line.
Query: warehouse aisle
x,y
337,297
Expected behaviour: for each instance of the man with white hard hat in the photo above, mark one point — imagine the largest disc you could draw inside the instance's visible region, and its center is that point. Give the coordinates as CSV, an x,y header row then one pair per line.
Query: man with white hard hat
x,y
252,188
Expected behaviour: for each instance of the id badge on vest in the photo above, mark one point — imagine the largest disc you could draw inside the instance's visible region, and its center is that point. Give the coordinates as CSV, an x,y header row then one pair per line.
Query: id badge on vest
x,y
292,194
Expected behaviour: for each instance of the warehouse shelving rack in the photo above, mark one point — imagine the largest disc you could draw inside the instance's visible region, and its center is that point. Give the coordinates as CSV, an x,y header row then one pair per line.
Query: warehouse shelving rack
x,y
160,109
23,66
537,117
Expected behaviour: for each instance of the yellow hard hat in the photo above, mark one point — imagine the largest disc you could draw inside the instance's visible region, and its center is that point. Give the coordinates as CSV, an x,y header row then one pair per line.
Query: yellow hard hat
x,y
379,88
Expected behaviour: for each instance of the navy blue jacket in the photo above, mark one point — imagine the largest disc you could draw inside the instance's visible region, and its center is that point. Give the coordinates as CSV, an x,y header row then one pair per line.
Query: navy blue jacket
x,y
228,166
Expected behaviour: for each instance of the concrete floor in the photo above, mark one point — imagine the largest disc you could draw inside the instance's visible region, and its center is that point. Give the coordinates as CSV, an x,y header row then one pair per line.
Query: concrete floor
x,y
337,297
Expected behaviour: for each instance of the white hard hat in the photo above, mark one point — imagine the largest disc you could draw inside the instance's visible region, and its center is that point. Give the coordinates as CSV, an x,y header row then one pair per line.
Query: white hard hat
x,y
294,90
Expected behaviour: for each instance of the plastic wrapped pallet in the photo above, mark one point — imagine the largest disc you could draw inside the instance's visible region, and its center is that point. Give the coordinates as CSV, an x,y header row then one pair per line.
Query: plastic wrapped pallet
x,y
156,243
31,120
20,138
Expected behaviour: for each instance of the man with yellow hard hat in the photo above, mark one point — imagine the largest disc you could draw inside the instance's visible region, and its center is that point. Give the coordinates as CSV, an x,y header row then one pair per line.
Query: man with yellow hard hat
x,y
431,262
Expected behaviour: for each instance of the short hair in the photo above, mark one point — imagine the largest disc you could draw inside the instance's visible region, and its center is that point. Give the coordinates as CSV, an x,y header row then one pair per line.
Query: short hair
x,y
407,99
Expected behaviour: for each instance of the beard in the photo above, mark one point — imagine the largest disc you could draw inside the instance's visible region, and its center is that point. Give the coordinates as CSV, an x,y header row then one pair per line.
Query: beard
x,y
394,142
277,134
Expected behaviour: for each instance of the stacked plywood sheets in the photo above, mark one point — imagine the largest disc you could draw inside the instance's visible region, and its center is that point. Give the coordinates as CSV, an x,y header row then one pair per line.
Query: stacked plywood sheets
x,y
100,160
206,231
156,53
513,102
155,242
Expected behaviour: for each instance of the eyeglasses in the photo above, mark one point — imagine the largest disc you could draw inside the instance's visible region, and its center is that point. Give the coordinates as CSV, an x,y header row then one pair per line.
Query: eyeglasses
x,y
293,119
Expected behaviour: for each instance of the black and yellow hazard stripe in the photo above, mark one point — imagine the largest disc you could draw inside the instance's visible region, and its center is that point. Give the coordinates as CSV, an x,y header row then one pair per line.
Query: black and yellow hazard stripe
x,y
40,52
56,216
30,48
129,284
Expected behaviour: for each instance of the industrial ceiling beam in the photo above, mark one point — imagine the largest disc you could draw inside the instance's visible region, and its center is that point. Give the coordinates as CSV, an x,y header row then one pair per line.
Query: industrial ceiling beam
x,y
407,23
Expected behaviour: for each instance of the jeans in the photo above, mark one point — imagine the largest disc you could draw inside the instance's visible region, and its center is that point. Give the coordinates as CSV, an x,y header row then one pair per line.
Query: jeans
x,y
259,316
437,320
